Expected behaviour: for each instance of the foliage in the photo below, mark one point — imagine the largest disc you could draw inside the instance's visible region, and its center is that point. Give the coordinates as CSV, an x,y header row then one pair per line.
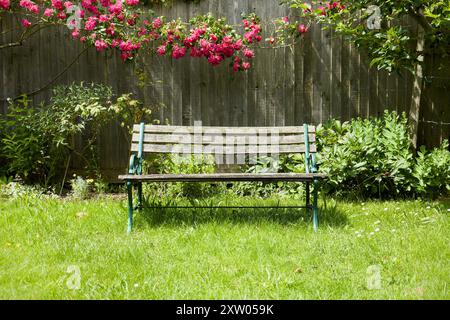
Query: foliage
x,y
37,141
15,190
34,140
101,186
285,29
364,158
81,188
285,163
373,158
390,44
175,164
432,170
370,157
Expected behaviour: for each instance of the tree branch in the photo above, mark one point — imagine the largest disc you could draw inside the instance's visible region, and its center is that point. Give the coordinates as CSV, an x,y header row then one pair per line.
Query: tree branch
x,y
30,94
422,20
25,35
11,45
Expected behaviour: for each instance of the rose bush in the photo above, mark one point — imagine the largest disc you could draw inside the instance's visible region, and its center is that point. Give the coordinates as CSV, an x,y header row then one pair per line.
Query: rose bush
x,y
123,26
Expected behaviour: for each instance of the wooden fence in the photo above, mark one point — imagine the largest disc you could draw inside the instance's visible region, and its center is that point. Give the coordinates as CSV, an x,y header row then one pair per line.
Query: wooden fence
x,y
319,78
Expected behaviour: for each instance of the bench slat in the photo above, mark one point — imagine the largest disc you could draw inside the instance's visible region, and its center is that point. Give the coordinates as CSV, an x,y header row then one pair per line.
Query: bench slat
x,y
215,177
243,149
222,130
218,139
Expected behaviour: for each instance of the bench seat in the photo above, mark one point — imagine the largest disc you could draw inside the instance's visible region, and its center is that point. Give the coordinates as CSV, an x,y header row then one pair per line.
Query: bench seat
x,y
217,177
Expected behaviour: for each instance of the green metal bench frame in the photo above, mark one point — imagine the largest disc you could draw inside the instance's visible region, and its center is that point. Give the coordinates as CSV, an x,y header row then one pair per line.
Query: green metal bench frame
x,y
136,178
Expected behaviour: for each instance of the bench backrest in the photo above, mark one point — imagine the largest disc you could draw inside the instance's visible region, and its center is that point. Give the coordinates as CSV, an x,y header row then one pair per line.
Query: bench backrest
x,y
224,141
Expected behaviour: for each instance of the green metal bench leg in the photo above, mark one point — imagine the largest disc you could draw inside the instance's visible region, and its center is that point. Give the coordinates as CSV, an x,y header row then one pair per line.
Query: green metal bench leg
x,y
315,207
130,206
308,194
139,196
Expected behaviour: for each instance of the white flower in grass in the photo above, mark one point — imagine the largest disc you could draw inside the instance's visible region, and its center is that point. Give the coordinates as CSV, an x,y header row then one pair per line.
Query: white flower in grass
x,y
428,207
448,210
377,230
385,209
136,285
393,230
372,234
377,222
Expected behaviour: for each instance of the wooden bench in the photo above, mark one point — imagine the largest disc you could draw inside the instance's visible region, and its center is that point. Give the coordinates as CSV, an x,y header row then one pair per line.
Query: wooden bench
x,y
227,144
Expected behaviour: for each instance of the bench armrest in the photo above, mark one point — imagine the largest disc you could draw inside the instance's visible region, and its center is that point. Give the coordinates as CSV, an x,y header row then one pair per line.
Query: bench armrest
x,y
135,166
313,161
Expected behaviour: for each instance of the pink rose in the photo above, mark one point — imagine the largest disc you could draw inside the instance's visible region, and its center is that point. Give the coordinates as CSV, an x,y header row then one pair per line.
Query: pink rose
x,y
215,59
246,65
75,33
178,52
238,45
302,28
49,12
90,24
5,4
57,4
62,16
157,23
100,45
161,50
212,37
68,5
236,66
25,23
132,2
248,53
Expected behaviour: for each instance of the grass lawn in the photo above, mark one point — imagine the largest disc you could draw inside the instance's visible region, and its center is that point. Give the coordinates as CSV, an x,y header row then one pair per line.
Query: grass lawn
x,y
225,254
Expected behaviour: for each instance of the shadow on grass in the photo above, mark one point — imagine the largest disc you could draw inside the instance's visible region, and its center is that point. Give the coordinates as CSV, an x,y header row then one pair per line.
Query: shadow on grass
x,y
330,215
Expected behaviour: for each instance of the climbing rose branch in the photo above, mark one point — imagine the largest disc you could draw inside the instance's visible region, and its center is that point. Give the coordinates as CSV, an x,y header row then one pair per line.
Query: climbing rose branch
x,y
123,26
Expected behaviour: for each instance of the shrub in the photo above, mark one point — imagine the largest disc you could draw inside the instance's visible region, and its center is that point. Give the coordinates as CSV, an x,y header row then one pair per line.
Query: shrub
x,y
373,158
33,141
364,158
36,140
432,171
81,188
14,190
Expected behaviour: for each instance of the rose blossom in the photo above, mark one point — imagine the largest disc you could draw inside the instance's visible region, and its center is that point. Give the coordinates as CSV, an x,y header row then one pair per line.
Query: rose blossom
x,y
26,23
5,4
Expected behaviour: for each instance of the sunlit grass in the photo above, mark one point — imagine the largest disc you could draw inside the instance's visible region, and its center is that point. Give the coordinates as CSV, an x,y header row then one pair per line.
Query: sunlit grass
x,y
223,254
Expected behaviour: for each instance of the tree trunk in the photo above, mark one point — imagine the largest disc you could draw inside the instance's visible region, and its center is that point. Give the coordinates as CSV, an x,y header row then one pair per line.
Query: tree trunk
x,y
414,112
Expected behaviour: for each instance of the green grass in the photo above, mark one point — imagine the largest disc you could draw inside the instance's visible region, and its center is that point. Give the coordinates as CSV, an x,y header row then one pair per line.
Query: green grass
x,y
223,254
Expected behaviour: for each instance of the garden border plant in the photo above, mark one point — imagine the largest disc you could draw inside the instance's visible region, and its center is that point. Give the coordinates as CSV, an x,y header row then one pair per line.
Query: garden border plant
x,y
37,141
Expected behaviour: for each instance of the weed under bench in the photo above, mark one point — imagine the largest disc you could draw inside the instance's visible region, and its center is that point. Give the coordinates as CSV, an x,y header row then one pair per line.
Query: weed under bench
x,y
232,144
